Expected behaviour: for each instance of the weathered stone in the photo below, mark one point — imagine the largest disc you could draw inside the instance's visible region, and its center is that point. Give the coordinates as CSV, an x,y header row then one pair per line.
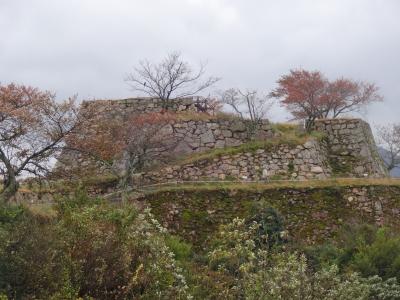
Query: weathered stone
x,y
227,133
207,137
221,176
183,147
238,126
212,125
219,144
232,142
316,169
309,144
359,170
304,168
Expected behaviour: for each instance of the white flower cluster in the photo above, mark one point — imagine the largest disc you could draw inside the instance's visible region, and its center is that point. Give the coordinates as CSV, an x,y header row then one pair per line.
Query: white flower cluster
x,y
260,274
164,263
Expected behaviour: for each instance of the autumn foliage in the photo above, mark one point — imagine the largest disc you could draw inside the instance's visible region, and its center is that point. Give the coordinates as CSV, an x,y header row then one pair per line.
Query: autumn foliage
x,y
33,126
123,146
310,95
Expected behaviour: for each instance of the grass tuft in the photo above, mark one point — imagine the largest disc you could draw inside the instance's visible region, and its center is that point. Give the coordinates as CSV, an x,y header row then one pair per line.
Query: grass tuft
x,y
259,186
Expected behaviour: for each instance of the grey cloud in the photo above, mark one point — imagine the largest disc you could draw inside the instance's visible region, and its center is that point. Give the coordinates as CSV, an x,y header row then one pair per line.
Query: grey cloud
x,y
86,46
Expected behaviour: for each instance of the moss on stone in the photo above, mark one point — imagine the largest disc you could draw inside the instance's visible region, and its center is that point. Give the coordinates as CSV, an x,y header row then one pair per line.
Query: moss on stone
x,y
311,215
340,164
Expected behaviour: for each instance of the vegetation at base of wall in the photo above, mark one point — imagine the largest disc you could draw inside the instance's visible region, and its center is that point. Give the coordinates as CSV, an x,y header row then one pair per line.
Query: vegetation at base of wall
x,y
261,273
312,212
361,248
342,165
89,248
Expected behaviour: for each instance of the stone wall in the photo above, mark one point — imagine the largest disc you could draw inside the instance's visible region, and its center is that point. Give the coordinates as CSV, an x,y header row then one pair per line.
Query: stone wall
x,y
142,105
307,161
196,132
310,215
202,135
351,148
348,149
191,136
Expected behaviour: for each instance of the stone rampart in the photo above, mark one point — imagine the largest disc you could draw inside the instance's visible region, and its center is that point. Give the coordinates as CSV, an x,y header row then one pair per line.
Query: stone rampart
x,y
142,105
307,161
191,136
311,215
201,135
352,151
347,149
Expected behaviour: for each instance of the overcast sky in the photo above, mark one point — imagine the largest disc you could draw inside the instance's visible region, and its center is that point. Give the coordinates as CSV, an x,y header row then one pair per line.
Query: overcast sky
x,y
86,47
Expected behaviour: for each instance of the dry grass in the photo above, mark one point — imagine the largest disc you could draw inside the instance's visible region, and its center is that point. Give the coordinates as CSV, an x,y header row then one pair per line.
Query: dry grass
x,y
198,116
42,210
65,185
259,186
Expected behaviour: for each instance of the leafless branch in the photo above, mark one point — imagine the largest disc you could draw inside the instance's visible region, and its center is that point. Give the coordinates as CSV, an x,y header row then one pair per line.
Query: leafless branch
x,y
389,139
248,103
169,79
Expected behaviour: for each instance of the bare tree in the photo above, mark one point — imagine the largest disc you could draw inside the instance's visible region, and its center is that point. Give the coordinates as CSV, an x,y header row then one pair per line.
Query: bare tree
x,y
33,126
248,104
169,79
208,105
389,139
147,138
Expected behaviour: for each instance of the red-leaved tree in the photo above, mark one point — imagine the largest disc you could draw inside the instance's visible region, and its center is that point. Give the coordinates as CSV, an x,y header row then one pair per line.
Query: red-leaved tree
x,y
310,95
126,146
33,126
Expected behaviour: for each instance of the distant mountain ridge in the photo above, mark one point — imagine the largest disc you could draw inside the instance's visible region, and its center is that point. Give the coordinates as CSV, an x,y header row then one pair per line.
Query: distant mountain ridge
x,y
385,156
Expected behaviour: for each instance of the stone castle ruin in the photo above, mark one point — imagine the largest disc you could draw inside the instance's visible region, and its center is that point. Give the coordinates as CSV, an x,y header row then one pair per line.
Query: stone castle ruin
x,y
344,147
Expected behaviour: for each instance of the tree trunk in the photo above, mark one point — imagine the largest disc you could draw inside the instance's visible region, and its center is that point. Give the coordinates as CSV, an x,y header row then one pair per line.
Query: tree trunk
x,y
9,190
126,178
309,124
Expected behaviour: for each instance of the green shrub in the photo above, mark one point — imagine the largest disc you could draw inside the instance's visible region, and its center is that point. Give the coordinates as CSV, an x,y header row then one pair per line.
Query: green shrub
x,y
380,257
90,249
320,256
270,232
364,249
181,249
234,247
288,277
263,274
31,256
